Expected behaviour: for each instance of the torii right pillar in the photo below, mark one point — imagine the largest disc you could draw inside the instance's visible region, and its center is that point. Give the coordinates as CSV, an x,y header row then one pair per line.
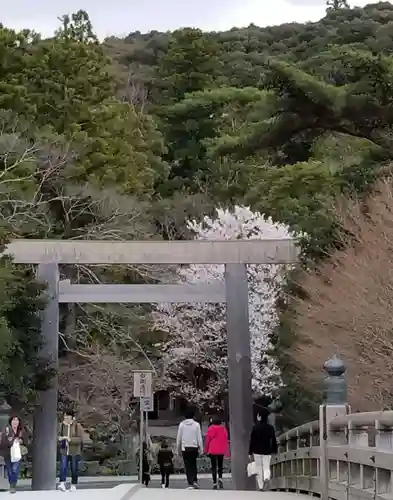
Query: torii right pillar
x,y
239,373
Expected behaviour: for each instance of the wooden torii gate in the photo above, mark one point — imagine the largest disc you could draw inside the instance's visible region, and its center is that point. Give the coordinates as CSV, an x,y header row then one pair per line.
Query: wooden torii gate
x,y
235,255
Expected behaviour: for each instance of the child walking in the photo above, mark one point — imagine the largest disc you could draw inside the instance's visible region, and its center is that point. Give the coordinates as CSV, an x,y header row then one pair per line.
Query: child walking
x,y
145,466
165,462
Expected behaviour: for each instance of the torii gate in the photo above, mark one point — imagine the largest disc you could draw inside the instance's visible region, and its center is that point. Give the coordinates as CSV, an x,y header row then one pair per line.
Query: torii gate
x,y
235,255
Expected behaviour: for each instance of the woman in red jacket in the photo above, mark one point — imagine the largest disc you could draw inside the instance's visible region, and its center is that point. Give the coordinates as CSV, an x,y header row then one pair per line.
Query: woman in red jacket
x,y
217,446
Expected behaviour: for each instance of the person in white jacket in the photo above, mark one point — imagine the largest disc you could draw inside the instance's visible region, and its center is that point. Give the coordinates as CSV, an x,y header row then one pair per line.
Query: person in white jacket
x,y
189,444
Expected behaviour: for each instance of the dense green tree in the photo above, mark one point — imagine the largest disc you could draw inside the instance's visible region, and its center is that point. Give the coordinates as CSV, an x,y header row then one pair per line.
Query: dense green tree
x,y
22,372
77,27
308,108
194,125
64,85
191,63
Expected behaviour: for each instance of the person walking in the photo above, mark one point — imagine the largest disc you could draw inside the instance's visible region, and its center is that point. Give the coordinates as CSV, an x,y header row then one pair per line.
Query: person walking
x,y
145,465
71,435
217,446
165,462
13,450
189,444
263,445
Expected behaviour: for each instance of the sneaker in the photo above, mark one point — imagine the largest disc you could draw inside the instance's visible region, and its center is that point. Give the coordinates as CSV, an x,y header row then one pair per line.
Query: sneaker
x,y
62,487
190,487
72,487
220,484
163,486
215,486
12,488
195,486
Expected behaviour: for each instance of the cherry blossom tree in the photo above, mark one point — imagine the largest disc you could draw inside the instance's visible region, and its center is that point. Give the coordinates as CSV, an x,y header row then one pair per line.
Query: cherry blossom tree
x,y
194,362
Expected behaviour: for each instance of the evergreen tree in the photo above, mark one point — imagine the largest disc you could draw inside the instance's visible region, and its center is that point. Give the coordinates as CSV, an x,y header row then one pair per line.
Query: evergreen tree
x,y
190,64
336,5
22,371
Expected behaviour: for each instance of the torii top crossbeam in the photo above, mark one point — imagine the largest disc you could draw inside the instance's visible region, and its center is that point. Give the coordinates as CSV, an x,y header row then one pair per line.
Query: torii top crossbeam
x,y
267,251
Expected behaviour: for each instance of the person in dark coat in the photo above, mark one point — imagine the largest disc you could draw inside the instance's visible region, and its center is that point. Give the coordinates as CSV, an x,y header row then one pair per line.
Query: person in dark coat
x,y
165,462
145,466
263,444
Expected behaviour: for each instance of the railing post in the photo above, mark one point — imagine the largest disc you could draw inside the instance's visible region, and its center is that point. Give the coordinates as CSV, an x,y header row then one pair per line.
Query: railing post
x,y
335,404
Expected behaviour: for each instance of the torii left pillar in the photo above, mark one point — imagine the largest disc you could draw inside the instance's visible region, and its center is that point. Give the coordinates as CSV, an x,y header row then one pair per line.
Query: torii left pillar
x,y
45,416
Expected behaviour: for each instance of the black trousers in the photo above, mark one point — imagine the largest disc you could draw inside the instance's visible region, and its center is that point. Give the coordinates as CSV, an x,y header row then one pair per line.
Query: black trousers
x,y
190,456
145,478
165,473
217,463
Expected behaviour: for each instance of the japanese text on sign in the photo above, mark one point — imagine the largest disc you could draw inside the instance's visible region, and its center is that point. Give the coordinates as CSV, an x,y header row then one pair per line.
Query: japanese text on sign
x,y
142,384
147,404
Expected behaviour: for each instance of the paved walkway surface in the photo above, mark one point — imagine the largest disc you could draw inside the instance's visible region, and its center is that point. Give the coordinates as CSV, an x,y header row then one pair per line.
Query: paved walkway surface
x,y
108,488
135,492
121,492
178,481
156,494
92,480
178,484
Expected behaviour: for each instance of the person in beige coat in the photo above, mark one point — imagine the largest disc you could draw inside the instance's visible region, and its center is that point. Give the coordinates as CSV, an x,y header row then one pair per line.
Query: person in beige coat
x,y
71,436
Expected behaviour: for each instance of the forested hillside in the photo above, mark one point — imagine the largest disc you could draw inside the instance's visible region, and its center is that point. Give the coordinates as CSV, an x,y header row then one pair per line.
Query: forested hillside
x,y
241,51
208,136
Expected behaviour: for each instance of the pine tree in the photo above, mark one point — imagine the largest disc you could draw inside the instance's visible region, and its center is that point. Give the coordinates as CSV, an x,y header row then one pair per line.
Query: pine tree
x,y
336,5
190,64
22,372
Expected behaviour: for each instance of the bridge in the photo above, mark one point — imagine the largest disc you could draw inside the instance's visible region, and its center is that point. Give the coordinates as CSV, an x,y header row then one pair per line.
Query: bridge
x,y
342,455
354,459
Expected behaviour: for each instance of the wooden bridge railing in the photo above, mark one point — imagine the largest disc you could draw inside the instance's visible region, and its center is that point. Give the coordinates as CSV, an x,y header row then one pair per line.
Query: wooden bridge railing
x,y
341,456
357,454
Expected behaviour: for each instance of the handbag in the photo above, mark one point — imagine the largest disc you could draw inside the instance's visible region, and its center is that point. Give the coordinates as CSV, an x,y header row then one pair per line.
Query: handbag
x,y
15,452
252,469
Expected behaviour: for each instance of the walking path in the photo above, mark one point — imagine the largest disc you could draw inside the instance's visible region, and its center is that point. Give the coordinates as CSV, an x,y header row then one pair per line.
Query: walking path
x,y
136,492
124,479
130,489
145,494
121,492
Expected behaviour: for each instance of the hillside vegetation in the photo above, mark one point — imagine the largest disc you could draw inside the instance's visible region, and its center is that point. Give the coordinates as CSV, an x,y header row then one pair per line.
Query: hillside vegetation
x,y
241,51
147,136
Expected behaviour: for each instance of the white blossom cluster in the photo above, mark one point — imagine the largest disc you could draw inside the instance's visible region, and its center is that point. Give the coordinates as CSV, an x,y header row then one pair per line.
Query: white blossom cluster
x,y
195,352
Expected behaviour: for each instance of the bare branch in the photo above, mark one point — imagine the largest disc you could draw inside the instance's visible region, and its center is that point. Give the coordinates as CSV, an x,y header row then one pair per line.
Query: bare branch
x,y
350,302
